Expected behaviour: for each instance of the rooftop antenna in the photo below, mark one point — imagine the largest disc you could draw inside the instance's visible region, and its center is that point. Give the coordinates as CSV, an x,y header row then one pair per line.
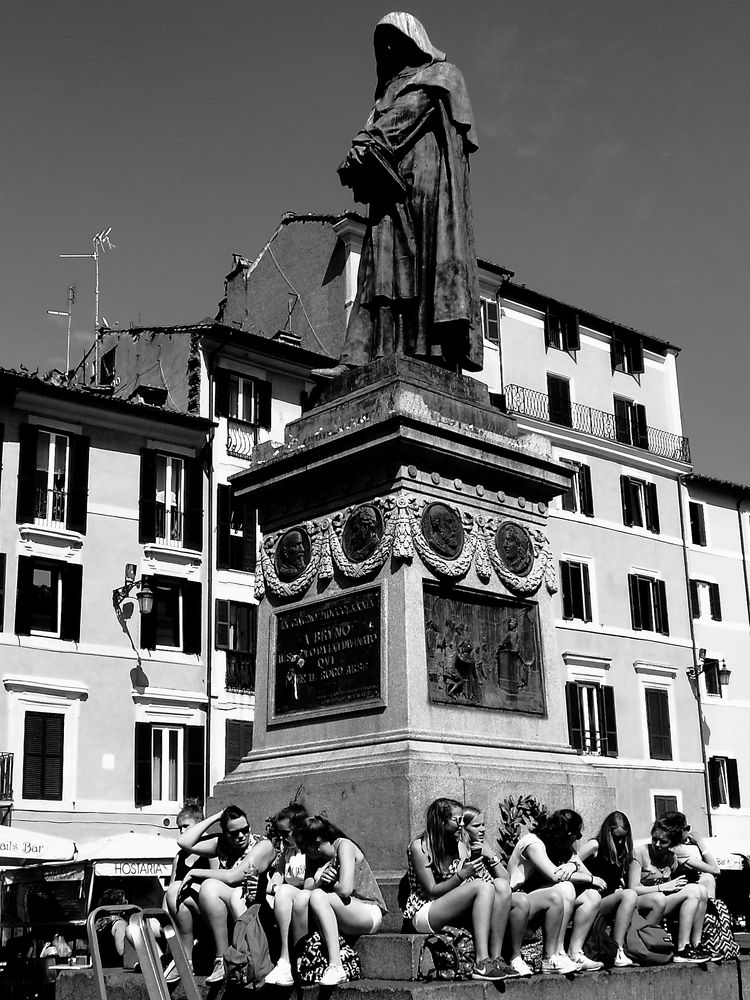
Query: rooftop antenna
x,y
69,313
100,243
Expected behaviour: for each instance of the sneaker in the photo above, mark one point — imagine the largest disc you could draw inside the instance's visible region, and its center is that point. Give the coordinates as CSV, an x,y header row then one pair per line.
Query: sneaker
x,y
217,973
280,974
705,954
584,964
687,954
504,969
520,967
622,960
333,976
559,965
171,975
487,968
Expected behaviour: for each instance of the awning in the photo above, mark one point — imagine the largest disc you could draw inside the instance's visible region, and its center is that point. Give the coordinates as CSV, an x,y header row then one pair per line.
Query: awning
x,y
731,853
130,854
18,846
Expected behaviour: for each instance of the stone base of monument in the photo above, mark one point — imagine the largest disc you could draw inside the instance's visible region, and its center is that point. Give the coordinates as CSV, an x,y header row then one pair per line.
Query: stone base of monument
x,y
406,647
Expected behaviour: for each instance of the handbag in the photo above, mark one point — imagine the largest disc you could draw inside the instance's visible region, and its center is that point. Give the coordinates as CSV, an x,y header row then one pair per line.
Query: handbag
x,y
312,960
717,936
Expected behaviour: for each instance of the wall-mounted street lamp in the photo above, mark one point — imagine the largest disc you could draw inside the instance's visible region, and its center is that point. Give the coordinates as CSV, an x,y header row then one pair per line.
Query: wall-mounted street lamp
x,y
694,672
145,595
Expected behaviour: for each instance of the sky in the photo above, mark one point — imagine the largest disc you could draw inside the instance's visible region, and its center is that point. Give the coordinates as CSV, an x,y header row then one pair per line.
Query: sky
x,y
612,173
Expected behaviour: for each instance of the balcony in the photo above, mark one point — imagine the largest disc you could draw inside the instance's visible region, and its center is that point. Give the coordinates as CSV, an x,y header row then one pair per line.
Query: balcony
x,y
242,437
587,420
168,525
6,778
49,507
240,676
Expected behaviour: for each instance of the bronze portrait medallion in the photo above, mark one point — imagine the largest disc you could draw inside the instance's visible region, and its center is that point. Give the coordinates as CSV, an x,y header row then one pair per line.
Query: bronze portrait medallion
x,y
362,533
515,548
442,528
292,554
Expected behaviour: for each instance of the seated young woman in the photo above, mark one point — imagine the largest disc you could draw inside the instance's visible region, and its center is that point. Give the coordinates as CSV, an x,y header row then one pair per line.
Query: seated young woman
x,y
545,865
443,887
342,897
656,868
238,852
493,870
608,856
697,863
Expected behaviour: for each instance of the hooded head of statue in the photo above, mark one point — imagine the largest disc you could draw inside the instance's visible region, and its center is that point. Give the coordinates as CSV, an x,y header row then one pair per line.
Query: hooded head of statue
x,y
400,42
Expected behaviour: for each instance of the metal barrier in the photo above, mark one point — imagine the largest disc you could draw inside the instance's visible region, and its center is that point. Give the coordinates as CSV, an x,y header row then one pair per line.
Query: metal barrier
x,y
149,955
96,954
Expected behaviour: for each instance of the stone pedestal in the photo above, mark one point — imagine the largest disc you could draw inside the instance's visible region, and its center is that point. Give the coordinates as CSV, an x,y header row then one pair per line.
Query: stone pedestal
x,y
405,639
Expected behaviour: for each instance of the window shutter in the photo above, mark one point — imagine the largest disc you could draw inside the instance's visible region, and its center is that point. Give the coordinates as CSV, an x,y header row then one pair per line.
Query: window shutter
x,y
249,535
617,352
652,508
195,762
191,618
547,329
221,398
142,794
609,721
636,356
70,617
2,432
641,427
2,591
657,722
147,497
695,601
627,501
713,593
572,333
23,595
566,586
222,624
697,524
79,483
585,491
263,400
622,420
661,615
586,587
733,781
43,756
223,515
194,504
575,731
148,622
569,496
27,442
714,782
558,390
33,743
239,742
635,602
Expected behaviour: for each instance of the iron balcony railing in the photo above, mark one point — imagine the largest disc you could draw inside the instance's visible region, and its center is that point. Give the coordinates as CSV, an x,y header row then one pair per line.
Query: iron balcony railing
x,y
530,403
6,777
168,524
49,506
240,676
242,437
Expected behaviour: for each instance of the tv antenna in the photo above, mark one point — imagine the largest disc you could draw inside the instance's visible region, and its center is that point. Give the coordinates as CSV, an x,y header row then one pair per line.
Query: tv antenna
x,y
100,243
69,313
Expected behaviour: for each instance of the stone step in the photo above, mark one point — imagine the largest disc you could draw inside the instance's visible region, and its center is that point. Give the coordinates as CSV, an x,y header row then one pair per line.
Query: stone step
x,y
393,955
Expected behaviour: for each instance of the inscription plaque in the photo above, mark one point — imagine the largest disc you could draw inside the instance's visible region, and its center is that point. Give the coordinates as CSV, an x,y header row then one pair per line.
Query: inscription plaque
x,y
483,651
328,657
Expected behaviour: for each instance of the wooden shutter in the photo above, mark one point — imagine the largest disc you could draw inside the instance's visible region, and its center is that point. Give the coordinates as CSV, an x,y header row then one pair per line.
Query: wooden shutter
x,y
547,329
714,781
569,496
713,594
194,504
222,625
635,602
24,595
586,592
191,617
2,590
661,615
147,497
195,762
72,586
636,355
148,622
239,742
78,479
641,427
2,435
249,535
617,352
585,492
575,730
658,725
606,695
733,782
142,758
622,420
627,500
263,402
43,756
221,398
27,444
223,523
566,587
572,333
697,524
695,601
652,507
558,390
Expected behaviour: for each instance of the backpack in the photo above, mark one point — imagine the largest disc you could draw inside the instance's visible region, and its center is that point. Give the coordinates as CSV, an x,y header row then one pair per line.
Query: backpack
x,y
247,960
312,959
600,945
717,934
452,953
648,944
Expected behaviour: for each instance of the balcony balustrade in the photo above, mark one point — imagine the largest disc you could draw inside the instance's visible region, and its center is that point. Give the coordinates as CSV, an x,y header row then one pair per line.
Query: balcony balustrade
x,y
168,525
242,437
240,675
49,507
6,777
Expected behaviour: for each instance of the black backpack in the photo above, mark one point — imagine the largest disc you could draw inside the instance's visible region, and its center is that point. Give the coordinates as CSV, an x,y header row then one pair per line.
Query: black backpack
x,y
247,960
648,944
600,945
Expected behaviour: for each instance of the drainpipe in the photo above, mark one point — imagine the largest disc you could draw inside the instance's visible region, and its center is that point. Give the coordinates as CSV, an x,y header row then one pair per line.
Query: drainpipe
x,y
706,788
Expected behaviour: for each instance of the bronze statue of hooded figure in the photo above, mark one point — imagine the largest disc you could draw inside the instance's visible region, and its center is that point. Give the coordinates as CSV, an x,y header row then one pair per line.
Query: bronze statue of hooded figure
x,y
417,289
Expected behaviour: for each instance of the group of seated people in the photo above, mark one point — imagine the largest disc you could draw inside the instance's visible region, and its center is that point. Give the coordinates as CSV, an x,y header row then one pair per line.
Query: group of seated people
x,y
314,877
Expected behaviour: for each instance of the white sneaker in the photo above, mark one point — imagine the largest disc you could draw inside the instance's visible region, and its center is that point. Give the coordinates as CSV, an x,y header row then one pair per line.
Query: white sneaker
x,y
584,964
217,974
622,960
280,974
333,976
520,967
559,965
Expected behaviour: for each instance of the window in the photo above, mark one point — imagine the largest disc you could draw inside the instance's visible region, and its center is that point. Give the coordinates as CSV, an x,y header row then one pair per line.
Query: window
x,y
170,501
630,423
243,398
558,391
648,604
657,724
490,320
627,353
697,524
43,756
704,600
236,531
2,591
169,764
576,594
175,619
107,367
239,741
48,598
591,718
561,329
723,782
639,504
711,677
664,804
53,470
579,499
235,633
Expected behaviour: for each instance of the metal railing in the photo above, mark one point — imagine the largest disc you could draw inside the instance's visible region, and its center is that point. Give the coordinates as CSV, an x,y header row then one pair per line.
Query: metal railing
x,y
6,777
168,524
242,437
49,506
599,423
240,675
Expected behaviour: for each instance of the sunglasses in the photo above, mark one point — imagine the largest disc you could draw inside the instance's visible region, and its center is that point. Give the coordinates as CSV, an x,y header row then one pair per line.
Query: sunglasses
x,y
242,832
